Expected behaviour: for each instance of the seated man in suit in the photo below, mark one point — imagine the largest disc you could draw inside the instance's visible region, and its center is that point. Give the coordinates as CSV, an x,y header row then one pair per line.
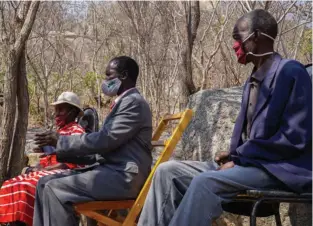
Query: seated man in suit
x,y
121,151
271,146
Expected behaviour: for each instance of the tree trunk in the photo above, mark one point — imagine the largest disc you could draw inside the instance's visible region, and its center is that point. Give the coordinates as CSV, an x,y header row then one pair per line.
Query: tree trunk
x,y
17,154
12,137
192,12
8,117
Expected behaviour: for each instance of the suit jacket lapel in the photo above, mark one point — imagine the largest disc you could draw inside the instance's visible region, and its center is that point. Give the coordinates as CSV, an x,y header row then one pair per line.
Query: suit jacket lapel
x,y
266,87
113,110
245,100
242,114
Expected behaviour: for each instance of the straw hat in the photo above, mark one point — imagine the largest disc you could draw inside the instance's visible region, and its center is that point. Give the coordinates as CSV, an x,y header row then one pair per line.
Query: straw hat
x,y
69,98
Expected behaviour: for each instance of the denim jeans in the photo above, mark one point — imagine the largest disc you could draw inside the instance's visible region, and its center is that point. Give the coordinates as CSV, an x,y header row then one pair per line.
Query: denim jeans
x,y
191,193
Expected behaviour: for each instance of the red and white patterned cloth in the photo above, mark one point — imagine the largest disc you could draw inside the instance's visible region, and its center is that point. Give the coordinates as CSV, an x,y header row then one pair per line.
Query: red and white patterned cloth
x,y
17,195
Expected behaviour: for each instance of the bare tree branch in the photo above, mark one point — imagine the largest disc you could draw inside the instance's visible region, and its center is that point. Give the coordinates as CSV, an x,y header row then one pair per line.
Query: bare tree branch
x,y
210,21
27,26
3,27
246,5
13,4
299,40
267,5
299,25
286,12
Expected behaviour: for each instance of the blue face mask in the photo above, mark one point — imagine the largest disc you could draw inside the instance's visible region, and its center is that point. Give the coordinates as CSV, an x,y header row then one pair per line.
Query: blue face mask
x,y
111,87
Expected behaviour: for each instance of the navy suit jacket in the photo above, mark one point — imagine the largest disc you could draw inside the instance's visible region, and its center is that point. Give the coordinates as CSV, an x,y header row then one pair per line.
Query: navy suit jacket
x,y
281,134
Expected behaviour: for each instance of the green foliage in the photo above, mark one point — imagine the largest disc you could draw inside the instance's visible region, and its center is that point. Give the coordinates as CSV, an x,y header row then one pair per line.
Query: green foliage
x,y
90,79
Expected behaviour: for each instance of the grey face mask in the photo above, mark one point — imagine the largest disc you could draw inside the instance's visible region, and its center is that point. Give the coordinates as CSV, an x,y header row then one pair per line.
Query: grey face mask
x,y
111,87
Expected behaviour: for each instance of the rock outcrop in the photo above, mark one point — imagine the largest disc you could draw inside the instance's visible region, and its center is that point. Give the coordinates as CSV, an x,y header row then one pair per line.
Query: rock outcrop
x,y
215,113
33,158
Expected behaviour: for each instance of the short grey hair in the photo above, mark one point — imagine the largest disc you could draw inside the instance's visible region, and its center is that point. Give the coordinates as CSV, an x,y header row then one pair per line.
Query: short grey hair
x,y
262,20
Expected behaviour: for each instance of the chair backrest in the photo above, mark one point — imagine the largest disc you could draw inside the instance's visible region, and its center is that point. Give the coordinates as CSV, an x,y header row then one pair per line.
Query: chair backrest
x,y
169,146
90,120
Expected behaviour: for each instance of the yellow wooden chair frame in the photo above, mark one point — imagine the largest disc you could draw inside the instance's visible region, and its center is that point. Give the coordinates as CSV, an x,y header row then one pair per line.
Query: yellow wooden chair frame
x,y
90,209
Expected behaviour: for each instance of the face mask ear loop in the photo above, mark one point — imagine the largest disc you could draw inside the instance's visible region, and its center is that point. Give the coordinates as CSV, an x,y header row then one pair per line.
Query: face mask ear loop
x,y
270,37
247,38
260,55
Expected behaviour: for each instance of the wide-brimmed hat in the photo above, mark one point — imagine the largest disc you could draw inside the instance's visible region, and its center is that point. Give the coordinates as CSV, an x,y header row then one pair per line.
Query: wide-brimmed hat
x,y
69,98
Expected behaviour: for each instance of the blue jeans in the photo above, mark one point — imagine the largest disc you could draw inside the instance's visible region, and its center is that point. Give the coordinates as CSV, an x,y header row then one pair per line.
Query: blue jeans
x,y
191,193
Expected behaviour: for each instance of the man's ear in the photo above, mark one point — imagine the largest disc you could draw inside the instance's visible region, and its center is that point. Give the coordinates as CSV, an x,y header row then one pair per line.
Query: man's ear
x,y
124,75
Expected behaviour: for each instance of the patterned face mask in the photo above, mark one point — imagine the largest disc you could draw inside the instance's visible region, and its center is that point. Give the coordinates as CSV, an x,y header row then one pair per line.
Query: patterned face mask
x,y
111,87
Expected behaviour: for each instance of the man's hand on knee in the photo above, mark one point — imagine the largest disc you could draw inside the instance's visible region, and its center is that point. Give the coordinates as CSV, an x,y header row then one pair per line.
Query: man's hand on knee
x,y
222,158
227,165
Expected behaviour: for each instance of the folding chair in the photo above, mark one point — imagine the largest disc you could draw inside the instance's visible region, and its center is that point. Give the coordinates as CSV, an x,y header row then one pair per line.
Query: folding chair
x,y
255,203
90,209
90,120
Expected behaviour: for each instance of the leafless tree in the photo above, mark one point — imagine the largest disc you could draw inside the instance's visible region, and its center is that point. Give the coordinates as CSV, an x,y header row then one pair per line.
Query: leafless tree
x,y
181,47
14,123
192,15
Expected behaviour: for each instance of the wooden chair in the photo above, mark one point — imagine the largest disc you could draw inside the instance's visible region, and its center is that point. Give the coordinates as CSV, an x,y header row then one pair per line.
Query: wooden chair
x,y
90,209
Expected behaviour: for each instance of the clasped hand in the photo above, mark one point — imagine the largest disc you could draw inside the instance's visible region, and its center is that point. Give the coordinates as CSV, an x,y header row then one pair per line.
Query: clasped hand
x,y
49,138
223,160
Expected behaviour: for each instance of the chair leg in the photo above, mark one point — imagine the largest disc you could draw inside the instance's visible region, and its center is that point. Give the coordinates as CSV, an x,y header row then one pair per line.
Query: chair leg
x,y
277,219
253,212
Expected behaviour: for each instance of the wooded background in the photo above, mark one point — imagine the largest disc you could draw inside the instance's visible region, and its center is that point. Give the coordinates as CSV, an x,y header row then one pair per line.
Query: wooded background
x,y
181,48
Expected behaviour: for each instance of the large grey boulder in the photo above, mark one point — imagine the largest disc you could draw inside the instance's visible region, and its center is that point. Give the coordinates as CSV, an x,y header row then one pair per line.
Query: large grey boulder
x,y
215,113
209,132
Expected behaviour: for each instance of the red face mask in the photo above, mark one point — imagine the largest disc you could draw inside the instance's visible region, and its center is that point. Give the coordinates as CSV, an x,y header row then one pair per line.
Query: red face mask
x,y
60,120
240,53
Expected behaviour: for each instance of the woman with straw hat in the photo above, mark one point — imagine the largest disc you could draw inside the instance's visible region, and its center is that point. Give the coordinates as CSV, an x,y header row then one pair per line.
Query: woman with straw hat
x,y
17,195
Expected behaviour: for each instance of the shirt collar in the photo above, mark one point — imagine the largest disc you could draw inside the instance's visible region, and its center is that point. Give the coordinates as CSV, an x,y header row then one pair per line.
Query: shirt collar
x,y
262,72
123,94
65,127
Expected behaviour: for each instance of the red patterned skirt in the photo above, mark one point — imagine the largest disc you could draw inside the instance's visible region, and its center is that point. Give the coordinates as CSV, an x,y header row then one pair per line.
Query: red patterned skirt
x,y
17,197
